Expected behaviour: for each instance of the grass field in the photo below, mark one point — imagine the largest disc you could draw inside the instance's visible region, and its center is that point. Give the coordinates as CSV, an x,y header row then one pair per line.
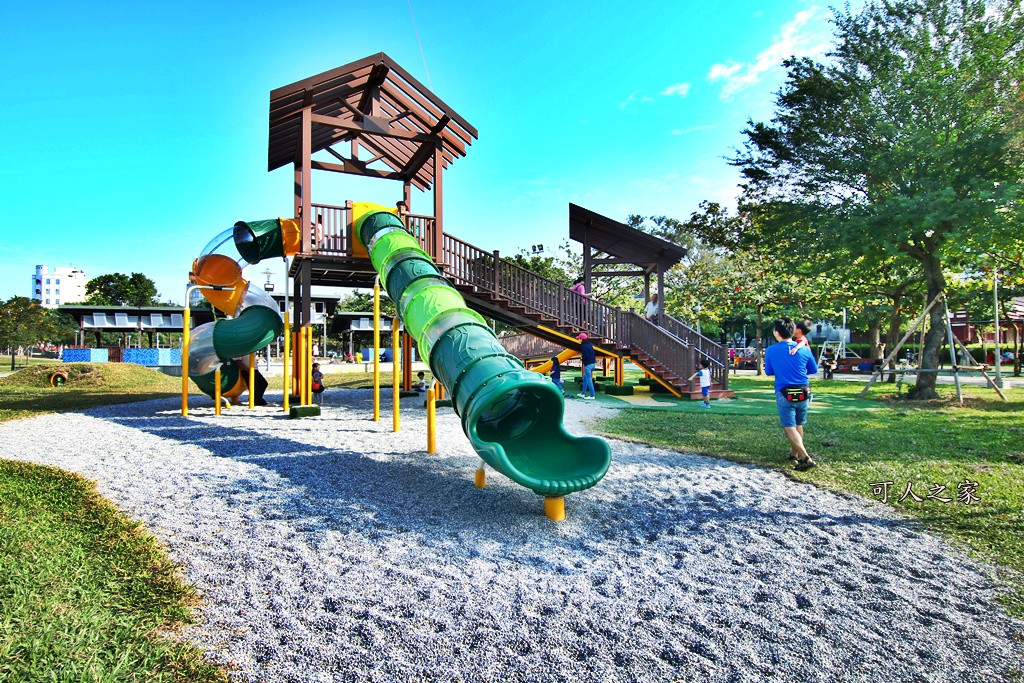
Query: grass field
x,y
28,392
860,444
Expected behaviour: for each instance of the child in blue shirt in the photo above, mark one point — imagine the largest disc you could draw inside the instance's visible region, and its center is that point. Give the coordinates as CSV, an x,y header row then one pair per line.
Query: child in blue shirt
x,y
704,373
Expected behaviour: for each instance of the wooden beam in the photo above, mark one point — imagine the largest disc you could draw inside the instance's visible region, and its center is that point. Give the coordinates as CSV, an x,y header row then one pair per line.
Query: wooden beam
x,y
356,127
631,273
423,154
355,168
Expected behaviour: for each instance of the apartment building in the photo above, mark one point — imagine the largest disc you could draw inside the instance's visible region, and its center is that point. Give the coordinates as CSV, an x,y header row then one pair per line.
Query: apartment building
x,y
61,286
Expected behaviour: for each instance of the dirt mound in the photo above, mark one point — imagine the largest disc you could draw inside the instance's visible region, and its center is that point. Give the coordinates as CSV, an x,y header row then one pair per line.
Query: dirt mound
x,y
127,376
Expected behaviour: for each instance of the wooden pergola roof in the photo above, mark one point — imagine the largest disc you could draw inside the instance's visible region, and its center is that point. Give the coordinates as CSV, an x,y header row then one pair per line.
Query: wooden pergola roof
x,y
623,243
377,105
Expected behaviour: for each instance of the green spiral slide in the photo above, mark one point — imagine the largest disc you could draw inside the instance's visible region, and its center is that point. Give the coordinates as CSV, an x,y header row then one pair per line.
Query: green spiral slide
x,y
513,417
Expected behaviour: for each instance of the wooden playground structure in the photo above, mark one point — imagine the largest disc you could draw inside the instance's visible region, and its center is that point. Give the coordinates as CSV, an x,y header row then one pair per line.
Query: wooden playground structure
x,y
373,119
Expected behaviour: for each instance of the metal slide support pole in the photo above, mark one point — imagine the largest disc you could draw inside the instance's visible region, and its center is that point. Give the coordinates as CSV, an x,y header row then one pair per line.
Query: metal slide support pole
x,y
186,322
287,362
300,372
310,334
216,391
431,422
395,379
252,379
376,351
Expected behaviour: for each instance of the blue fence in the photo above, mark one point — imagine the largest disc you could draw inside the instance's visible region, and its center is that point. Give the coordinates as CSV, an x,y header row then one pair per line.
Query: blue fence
x,y
84,355
152,357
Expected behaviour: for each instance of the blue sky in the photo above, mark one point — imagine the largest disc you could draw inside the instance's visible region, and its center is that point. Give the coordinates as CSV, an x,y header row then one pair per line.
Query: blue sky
x,y
135,132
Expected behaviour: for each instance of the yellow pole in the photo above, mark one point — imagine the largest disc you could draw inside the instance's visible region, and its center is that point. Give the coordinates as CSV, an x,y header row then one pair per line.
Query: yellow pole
x,y
480,478
554,508
216,391
431,423
376,352
300,371
395,419
310,333
184,360
252,379
287,362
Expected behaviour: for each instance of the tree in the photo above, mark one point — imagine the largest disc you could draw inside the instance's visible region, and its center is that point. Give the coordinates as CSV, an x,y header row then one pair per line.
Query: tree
x,y
23,322
907,140
118,289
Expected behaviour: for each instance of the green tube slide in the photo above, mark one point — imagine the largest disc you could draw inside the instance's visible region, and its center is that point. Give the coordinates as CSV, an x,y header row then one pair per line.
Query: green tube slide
x,y
256,322
513,417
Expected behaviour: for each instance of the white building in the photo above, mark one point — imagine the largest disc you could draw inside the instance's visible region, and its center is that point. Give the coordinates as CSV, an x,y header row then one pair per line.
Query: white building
x,y
62,286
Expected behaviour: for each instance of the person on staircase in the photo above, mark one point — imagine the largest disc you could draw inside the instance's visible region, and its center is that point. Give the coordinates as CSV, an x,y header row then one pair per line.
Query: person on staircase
x,y
651,309
589,359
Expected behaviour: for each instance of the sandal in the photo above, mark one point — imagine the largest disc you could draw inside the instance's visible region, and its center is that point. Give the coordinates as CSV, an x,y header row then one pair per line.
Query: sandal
x,y
804,465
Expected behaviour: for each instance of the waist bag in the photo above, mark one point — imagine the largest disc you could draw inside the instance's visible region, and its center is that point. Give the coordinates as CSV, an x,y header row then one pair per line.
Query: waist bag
x,y
796,394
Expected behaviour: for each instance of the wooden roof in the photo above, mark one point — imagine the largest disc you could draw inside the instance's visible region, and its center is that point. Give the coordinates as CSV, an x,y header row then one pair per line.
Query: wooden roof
x,y
621,241
380,105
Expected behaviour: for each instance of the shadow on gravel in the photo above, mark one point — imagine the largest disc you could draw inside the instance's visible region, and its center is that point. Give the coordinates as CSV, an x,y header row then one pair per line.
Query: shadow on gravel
x,y
335,490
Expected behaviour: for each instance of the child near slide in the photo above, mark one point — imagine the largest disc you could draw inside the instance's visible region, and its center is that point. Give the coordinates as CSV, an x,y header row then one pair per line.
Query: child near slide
x,y
705,382
318,384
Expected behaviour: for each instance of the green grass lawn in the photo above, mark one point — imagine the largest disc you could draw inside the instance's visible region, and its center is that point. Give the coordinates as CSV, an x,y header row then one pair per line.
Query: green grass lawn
x,y
861,443
86,594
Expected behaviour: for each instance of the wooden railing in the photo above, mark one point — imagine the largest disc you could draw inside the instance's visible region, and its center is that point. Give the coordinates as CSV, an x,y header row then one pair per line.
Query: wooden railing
x,y
333,238
702,346
529,346
675,345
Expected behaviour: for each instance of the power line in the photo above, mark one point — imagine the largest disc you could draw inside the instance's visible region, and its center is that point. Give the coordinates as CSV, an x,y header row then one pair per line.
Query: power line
x,y
420,43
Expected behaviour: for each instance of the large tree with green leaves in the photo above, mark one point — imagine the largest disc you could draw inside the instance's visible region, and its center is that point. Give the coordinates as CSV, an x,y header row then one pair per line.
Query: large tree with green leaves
x,y
23,322
907,139
118,289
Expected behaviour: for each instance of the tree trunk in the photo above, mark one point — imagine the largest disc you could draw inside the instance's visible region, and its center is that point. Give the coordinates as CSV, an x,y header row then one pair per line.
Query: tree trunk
x,y
893,335
758,358
13,352
924,389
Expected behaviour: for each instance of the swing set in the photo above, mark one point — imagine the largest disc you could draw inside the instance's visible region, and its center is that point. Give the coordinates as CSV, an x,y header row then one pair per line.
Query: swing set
x,y
952,341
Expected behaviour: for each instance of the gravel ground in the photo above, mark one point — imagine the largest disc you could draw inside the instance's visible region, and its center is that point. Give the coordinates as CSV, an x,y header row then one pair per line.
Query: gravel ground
x,y
331,549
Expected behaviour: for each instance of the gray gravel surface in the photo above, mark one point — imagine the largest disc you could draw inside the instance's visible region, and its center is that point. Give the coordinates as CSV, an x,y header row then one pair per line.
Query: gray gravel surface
x,y
332,549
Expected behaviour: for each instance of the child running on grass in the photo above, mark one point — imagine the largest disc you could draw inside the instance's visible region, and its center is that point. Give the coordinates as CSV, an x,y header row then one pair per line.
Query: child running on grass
x,y
705,381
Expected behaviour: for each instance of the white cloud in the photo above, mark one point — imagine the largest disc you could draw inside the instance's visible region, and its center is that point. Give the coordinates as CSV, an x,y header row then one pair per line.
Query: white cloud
x,y
681,89
720,71
635,97
687,131
804,36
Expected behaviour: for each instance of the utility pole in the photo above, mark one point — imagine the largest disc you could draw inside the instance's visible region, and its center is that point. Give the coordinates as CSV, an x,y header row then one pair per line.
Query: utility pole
x,y
995,310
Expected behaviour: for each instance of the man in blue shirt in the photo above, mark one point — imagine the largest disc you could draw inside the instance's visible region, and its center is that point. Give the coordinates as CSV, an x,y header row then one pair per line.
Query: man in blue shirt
x,y
792,386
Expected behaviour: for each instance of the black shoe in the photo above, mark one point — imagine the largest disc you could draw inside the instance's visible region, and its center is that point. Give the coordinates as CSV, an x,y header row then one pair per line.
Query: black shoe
x,y
804,465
